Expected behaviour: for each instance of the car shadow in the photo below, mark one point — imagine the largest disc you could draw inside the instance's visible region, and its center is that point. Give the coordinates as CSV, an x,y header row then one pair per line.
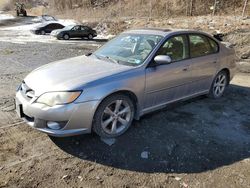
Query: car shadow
x,y
194,136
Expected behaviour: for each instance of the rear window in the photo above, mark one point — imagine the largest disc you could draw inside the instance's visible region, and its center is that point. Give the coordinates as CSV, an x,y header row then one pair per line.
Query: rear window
x,y
201,45
214,45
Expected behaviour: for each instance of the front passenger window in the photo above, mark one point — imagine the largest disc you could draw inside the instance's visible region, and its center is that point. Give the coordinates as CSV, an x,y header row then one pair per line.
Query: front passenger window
x,y
76,28
176,48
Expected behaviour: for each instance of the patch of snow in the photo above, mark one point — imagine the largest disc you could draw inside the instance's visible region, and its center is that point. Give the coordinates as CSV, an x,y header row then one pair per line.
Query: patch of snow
x,y
108,141
144,155
22,33
6,17
67,22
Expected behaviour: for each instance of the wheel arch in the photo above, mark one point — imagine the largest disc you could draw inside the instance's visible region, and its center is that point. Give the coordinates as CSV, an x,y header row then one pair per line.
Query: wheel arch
x,y
65,33
228,74
128,93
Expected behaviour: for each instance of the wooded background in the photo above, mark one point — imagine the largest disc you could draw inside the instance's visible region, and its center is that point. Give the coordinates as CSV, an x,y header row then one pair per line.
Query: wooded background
x,y
142,8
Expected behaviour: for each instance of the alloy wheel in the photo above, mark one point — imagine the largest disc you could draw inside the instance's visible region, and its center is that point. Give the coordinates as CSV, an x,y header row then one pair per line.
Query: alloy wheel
x,y
43,32
116,117
66,37
219,85
90,36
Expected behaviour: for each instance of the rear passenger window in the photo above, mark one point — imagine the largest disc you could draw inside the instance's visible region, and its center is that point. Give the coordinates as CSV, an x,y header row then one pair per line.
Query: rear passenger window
x,y
201,46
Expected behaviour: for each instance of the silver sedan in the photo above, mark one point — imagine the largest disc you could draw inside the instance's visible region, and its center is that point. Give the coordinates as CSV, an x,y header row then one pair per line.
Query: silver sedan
x,y
137,72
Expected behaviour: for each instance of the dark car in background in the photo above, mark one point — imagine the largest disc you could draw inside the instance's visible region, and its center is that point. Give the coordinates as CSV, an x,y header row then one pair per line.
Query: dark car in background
x,y
45,28
75,31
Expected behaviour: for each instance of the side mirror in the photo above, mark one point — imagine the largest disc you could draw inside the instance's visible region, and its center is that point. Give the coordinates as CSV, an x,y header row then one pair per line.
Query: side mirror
x,y
162,59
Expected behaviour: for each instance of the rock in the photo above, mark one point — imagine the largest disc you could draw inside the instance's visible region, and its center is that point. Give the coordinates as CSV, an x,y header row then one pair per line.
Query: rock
x,y
80,178
245,55
184,184
177,178
65,177
145,154
170,22
108,141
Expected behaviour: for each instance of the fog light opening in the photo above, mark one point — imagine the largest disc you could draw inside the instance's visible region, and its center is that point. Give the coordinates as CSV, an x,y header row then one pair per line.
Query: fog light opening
x,y
53,125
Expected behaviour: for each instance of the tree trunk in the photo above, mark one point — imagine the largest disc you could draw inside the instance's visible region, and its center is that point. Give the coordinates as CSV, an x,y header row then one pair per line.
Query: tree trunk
x,y
191,8
244,8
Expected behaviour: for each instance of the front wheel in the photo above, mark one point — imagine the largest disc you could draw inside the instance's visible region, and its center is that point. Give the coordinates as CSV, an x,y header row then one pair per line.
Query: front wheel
x,y
66,37
219,85
114,116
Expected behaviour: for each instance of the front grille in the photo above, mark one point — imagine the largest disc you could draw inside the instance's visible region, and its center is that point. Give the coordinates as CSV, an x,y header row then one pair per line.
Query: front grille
x,y
27,91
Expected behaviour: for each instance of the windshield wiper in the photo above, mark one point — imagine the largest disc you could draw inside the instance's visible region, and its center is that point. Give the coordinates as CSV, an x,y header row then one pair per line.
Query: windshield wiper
x,y
112,59
108,58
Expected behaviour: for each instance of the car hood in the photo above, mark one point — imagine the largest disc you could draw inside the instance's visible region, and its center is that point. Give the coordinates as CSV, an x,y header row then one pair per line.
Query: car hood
x,y
56,31
70,74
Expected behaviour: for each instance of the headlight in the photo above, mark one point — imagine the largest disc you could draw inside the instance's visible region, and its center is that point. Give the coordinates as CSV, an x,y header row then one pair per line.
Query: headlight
x,y
58,98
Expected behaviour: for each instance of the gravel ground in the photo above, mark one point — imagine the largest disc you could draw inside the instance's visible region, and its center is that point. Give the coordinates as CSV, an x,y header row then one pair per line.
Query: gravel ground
x,y
196,143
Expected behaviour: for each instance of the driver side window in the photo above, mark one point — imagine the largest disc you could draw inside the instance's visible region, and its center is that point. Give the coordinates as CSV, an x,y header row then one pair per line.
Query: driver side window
x,y
176,48
76,28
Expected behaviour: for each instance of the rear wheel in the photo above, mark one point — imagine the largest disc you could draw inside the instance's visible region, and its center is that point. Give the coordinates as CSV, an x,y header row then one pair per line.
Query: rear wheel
x,y
113,116
219,85
66,37
90,37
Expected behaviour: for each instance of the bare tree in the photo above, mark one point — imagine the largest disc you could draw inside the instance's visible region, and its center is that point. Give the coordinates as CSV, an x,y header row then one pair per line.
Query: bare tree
x,y
191,7
244,8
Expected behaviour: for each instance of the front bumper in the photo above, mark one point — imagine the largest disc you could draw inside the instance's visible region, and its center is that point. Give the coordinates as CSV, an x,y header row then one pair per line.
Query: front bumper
x,y
36,32
75,118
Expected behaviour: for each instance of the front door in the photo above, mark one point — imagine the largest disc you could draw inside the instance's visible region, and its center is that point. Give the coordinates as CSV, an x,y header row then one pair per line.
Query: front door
x,y
169,82
75,31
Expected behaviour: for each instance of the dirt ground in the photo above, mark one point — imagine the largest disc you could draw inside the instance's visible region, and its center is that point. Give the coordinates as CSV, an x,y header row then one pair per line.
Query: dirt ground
x,y
196,143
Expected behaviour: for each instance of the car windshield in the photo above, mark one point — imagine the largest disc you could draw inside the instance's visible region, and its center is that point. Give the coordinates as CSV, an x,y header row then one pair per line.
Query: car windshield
x,y
69,27
130,49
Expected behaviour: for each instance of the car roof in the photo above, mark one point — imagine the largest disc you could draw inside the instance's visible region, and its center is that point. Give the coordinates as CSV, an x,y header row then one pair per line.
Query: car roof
x,y
48,23
162,32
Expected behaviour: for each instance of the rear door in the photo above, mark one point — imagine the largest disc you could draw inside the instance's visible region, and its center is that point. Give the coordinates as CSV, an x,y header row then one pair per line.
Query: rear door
x,y
47,28
50,28
204,53
84,31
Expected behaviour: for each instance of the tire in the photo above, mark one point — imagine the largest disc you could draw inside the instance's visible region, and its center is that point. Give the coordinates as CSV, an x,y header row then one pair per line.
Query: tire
x,y
43,32
219,85
25,14
114,116
66,37
17,13
90,37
